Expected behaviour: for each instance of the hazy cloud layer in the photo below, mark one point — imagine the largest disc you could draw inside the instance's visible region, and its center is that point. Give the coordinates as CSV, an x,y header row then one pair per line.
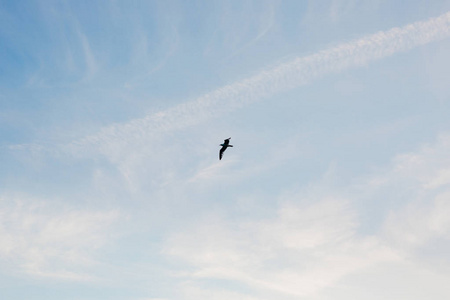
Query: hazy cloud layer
x,y
312,242
52,240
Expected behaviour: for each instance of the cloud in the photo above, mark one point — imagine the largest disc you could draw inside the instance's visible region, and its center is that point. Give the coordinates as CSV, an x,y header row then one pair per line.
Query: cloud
x,y
90,61
422,178
51,240
302,249
314,241
115,140
266,21
419,224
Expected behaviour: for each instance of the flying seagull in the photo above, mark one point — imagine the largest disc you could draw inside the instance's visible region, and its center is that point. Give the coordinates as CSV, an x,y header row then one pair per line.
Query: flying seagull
x,y
225,145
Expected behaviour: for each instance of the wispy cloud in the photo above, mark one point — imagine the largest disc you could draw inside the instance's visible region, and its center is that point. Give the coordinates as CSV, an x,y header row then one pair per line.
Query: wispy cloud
x,y
113,139
55,241
303,249
90,61
267,22
314,242
423,178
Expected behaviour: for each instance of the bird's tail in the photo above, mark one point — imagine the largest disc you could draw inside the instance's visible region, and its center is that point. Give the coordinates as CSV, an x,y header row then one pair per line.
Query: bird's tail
x,y
230,145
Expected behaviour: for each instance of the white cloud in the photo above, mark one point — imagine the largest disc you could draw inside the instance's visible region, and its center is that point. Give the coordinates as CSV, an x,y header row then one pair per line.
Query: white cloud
x,y
312,244
90,60
420,223
302,249
52,240
424,177
429,167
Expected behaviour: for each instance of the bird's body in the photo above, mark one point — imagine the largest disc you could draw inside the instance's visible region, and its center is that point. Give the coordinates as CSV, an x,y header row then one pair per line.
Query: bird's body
x,y
225,145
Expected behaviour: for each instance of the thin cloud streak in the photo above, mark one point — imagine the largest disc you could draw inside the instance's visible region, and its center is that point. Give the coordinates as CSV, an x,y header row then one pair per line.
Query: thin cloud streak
x,y
286,76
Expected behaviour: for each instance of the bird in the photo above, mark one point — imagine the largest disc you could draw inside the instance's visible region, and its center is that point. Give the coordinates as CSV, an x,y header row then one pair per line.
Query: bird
x,y
225,145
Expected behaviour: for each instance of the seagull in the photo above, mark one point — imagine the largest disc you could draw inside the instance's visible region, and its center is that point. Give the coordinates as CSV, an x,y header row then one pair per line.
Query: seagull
x,y
225,145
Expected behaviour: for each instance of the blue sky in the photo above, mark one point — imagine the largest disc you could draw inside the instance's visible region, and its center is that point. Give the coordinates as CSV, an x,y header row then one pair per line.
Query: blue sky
x,y
111,116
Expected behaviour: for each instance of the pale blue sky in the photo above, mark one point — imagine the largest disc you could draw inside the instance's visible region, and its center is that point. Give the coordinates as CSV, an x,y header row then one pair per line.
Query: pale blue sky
x,y
111,116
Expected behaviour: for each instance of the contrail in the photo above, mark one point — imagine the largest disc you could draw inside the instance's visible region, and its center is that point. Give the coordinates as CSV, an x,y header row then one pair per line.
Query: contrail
x,y
285,76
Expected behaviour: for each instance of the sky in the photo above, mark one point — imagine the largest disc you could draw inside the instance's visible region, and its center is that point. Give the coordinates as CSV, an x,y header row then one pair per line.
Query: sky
x,y
111,118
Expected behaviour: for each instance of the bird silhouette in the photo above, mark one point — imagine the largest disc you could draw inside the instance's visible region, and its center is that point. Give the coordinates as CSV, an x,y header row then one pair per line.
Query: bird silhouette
x,y
225,145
